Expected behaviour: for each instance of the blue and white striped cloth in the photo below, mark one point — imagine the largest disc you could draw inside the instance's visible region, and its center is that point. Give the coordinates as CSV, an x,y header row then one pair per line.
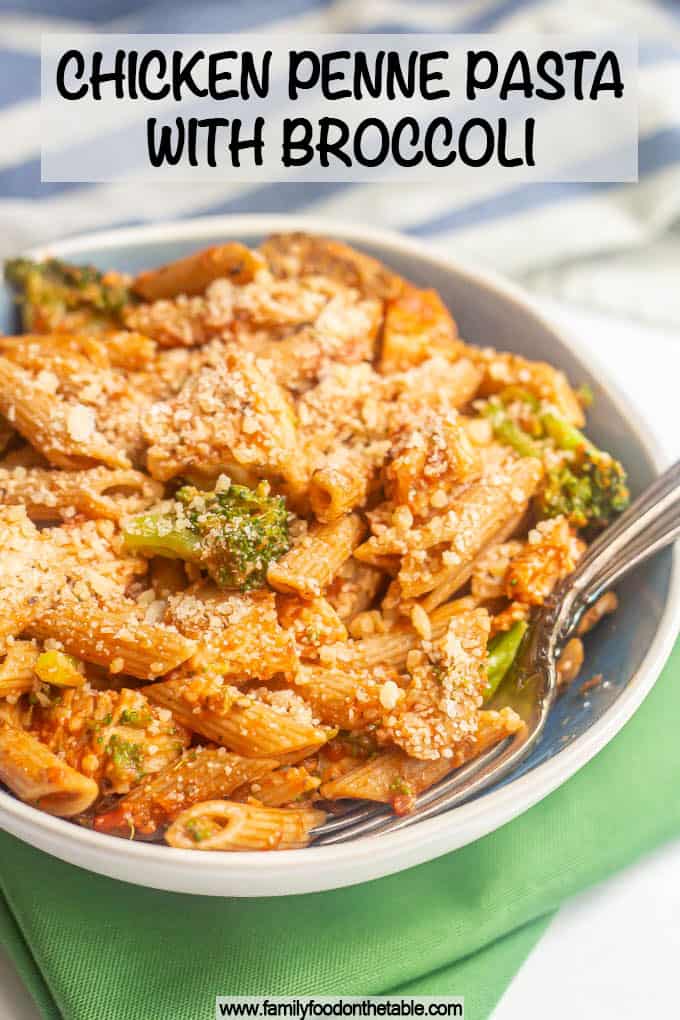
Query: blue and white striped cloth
x,y
610,246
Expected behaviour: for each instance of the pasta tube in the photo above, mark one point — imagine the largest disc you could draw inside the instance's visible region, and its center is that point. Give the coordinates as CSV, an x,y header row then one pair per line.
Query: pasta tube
x,y
38,777
65,432
191,275
17,671
393,774
245,724
118,640
226,825
29,572
202,773
100,492
313,563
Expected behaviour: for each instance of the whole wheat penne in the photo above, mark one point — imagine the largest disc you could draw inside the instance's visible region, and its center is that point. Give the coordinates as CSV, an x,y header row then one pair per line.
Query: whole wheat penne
x,y
476,517
99,492
241,722
191,275
65,432
225,825
314,561
30,573
459,576
334,491
354,588
118,640
393,774
202,773
17,673
344,480
345,697
312,623
392,648
280,787
39,778
237,634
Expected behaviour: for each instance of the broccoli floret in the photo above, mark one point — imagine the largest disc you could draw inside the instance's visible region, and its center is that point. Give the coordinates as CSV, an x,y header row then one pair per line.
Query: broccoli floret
x,y
586,485
56,294
590,489
234,533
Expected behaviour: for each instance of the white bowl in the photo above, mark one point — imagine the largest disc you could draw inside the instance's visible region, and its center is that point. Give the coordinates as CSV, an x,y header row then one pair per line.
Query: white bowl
x,y
491,311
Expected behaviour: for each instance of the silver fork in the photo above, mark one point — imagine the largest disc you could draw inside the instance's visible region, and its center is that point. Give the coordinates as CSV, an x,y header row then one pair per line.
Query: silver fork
x,y
650,523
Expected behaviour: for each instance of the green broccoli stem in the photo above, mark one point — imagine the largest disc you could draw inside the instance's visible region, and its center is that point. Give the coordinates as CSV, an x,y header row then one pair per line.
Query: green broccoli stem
x,y
502,650
511,434
158,535
565,436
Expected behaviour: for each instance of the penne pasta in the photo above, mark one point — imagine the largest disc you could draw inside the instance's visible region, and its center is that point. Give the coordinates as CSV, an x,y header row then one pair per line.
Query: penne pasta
x,y
237,636
202,773
65,432
115,638
279,788
313,563
39,777
17,670
347,697
344,480
392,774
226,825
354,588
30,573
391,648
192,275
98,493
455,540
244,723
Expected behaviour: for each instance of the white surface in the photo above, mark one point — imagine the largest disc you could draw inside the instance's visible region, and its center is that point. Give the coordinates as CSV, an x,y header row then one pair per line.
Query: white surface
x,y
611,953
614,949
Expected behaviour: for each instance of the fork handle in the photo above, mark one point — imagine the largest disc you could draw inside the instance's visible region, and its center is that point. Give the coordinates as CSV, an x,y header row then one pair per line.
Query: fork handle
x,y
650,524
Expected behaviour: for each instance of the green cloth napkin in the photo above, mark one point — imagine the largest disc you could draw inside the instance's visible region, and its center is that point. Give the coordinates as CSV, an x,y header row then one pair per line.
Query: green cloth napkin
x,y
91,948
